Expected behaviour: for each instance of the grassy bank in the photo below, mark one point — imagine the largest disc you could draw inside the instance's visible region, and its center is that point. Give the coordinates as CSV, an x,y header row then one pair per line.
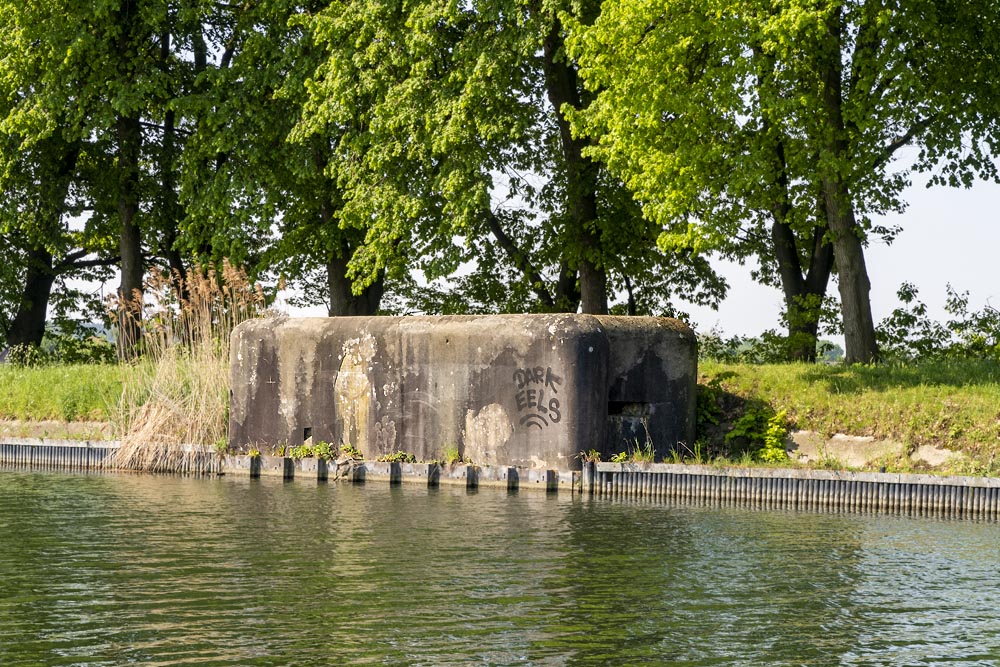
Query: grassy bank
x,y
70,393
951,404
954,404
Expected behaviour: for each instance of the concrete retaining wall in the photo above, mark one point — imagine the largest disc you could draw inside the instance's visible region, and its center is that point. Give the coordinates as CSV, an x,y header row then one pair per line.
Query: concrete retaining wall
x,y
530,391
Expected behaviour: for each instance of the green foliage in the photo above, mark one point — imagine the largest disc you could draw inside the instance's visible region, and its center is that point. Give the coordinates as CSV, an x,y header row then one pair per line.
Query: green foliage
x,y
642,453
254,453
945,402
451,455
590,456
620,457
323,450
770,347
351,452
26,356
730,120
761,431
397,457
301,452
773,450
707,408
76,344
451,147
221,447
752,425
909,334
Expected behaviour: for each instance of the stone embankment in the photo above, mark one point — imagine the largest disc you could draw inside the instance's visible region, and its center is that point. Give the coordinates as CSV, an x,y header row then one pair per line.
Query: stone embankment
x,y
851,451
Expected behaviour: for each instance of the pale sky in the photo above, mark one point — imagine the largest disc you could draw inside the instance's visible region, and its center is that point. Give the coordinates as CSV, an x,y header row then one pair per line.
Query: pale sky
x,y
948,235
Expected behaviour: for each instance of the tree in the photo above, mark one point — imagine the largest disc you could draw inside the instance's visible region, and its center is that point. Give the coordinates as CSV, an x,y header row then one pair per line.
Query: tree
x,y
41,176
452,146
93,87
252,195
719,113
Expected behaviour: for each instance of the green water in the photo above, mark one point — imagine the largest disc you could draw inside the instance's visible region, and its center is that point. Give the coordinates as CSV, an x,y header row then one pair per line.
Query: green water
x,y
145,570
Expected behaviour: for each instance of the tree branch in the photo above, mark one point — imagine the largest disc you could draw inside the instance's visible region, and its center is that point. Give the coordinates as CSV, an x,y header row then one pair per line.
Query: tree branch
x,y
519,258
902,140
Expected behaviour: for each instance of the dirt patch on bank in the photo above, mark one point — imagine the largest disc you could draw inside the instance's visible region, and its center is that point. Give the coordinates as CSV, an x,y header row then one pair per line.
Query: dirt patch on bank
x,y
58,430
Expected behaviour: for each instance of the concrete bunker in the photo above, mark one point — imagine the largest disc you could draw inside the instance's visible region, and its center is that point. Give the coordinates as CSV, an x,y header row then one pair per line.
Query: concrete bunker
x,y
523,390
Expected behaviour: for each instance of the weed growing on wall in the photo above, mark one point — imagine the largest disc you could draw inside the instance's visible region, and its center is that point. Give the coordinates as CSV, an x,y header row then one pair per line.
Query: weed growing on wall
x,y
351,452
451,455
397,457
323,450
301,452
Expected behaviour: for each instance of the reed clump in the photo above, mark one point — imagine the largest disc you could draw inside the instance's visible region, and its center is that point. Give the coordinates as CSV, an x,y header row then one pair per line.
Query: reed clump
x,y
175,396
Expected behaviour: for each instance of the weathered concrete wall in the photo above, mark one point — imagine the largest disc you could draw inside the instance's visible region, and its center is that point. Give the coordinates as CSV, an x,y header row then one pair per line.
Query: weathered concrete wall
x,y
524,390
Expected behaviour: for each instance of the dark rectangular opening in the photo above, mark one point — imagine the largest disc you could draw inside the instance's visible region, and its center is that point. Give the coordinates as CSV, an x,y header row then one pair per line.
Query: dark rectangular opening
x,y
307,433
628,409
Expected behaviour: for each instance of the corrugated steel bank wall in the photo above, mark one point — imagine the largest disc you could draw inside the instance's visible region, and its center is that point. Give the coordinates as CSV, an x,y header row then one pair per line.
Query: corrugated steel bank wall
x,y
752,487
798,488
92,454
72,454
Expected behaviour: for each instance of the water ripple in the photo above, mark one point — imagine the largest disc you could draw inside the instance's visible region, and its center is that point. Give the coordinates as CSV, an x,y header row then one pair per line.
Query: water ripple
x,y
101,570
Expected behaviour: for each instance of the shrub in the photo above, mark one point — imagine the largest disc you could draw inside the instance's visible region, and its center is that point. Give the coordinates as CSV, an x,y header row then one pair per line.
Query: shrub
x,y
323,450
761,432
909,334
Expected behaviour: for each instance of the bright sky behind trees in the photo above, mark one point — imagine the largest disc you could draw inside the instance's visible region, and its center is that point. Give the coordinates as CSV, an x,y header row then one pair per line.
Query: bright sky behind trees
x,y
948,235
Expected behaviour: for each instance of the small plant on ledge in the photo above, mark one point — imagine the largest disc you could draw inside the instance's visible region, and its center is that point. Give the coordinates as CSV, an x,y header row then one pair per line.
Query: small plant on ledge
x,y
301,452
397,457
352,452
451,456
323,450
642,453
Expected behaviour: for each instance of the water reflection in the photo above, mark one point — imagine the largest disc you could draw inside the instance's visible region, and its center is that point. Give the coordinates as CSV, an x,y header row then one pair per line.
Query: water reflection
x,y
115,570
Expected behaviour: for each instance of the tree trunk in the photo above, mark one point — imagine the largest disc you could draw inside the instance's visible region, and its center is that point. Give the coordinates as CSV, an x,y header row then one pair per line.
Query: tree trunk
x,y
563,88
130,239
170,209
169,205
567,289
28,325
855,288
803,294
520,260
343,301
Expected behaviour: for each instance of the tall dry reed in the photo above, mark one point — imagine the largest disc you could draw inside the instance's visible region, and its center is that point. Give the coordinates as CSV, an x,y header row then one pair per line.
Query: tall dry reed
x,y
176,393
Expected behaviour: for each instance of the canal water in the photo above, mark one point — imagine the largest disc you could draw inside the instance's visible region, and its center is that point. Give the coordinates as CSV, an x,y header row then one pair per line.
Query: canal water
x,y
154,570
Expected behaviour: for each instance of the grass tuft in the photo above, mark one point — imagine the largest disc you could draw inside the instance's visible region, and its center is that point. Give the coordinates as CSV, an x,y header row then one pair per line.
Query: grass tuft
x,y
177,393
